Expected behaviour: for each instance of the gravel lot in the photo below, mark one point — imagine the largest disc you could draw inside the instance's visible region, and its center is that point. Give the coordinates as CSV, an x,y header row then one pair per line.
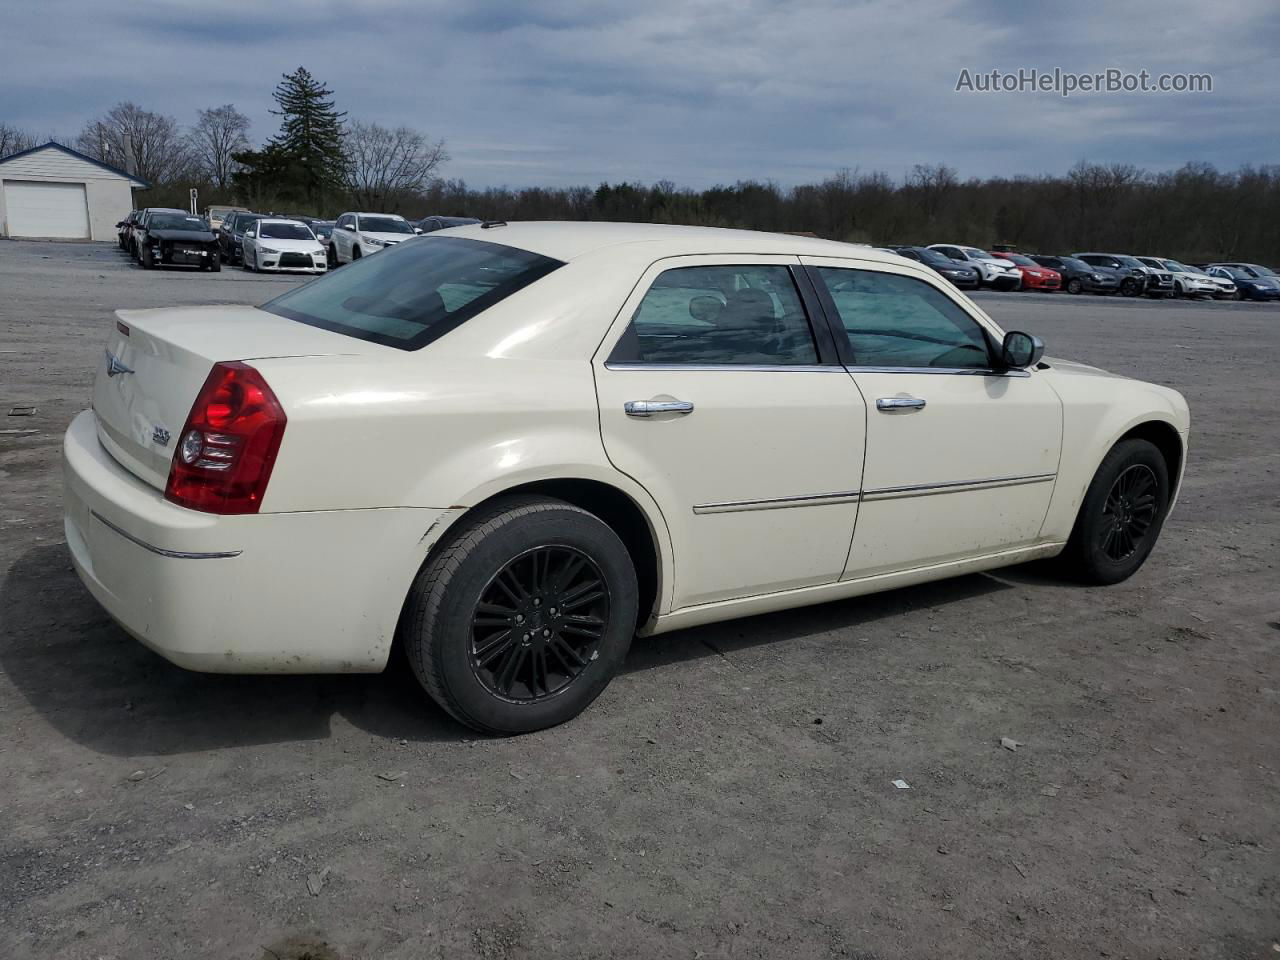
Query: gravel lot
x,y
730,795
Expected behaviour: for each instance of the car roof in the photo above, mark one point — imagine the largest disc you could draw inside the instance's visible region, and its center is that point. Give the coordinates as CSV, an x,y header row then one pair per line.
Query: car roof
x,y
374,213
568,240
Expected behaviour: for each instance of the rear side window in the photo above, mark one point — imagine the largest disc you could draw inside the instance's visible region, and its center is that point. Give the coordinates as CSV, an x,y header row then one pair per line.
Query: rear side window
x,y
414,292
743,315
896,321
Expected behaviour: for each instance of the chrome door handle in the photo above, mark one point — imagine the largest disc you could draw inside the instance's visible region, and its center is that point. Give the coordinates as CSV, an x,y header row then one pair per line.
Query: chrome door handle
x,y
900,403
647,408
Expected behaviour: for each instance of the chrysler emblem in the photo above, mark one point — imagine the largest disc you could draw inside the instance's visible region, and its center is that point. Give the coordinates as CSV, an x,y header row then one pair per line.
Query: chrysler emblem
x,y
160,435
114,366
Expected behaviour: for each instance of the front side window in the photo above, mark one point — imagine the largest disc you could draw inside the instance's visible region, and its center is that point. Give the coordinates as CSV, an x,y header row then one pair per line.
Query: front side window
x,y
720,315
413,293
896,321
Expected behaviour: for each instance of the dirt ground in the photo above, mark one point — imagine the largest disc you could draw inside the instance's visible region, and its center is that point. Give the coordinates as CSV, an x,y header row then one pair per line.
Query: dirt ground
x,y
731,794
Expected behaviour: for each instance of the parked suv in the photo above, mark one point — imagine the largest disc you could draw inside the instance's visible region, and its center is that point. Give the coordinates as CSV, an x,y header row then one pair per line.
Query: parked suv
x,y
992,271
1249,284
1081,277
1134,274
1190,282
359,234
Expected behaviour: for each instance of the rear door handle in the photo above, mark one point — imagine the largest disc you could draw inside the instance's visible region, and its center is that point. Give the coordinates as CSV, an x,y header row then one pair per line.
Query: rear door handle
x,y
889,404
648,408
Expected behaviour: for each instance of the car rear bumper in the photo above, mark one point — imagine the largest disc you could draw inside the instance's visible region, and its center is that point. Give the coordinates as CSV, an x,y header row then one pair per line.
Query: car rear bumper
x,y
306,592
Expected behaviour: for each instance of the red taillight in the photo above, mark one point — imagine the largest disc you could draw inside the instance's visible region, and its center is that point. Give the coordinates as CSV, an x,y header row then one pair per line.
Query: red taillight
x,y
226,450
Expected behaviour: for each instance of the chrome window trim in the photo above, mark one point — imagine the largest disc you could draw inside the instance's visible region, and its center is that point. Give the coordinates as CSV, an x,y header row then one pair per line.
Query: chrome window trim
x,y
161,551
949,371
738,367
958,486
777,503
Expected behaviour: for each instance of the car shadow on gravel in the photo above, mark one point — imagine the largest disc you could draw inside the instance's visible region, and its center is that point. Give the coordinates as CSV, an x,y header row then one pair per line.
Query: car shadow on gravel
x,y
101,688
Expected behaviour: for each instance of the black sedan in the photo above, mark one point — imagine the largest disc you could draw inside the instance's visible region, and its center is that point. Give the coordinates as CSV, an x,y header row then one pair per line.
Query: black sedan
x,y
177,238
961,274
231,235
1081,277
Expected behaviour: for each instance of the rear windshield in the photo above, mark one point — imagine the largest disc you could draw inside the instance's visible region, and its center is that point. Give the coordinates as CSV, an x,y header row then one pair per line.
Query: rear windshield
x,y
285,231
413,293
384,225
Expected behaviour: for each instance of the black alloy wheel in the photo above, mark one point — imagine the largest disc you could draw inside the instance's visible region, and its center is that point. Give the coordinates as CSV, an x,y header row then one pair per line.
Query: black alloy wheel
x,y
1074,286
1121,515
538,624
521,615
1129,512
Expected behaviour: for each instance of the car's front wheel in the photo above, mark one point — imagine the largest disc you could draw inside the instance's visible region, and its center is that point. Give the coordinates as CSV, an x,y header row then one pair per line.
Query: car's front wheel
x,y
1122,513
520,620
1074,286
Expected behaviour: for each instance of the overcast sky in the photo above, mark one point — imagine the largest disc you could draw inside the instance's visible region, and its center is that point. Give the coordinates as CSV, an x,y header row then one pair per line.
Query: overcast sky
x,y
554,92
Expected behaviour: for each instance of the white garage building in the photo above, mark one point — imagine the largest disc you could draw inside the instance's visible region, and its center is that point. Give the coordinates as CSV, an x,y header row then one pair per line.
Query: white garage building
x,y
53,192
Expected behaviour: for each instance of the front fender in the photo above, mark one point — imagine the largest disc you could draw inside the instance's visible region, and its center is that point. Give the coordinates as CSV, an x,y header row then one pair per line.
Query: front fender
x,y
1097,410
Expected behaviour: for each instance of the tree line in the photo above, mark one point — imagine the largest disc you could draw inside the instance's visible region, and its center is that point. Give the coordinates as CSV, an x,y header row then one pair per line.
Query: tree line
x,y
321,162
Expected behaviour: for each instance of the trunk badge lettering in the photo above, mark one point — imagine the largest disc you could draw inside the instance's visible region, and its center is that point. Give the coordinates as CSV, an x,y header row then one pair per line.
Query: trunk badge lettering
x,y
114,366
160,435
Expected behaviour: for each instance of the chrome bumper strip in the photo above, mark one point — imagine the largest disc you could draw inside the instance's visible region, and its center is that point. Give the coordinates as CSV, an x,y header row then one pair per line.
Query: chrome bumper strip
x,y
175,554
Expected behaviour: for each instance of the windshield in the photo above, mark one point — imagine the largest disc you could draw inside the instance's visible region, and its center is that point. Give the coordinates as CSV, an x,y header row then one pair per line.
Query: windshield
x,y
1236,274
242,221
174,221
285,231
1129,261
977,252
1075,264
1020,260
384,225
413,293
932,257
1177,267
1260,271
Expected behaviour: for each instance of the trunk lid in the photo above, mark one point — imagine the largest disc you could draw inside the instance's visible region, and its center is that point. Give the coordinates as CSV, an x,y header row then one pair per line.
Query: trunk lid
x,y
156,361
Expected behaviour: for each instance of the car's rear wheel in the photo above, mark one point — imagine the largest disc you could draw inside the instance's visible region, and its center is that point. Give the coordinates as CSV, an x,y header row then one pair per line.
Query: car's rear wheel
x,y
355,254
520,620
1122,514
330,257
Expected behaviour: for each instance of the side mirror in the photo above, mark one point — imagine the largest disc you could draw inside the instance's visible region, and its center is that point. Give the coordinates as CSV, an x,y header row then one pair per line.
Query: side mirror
x,y
417,230
1021,350
349,226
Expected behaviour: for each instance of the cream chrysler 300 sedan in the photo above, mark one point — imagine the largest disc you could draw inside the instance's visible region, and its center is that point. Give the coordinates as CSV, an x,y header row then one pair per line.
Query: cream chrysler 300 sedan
x,y
511,448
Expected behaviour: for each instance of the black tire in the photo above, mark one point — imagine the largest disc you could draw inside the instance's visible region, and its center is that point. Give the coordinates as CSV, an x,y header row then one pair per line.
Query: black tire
x,y
355,254
439,627
147,262
216,266
1098,551
1075,286
1237,295
331,258
1129,287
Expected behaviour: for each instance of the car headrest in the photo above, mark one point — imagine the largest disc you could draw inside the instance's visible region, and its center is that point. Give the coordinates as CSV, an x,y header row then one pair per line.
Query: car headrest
x,y
747,310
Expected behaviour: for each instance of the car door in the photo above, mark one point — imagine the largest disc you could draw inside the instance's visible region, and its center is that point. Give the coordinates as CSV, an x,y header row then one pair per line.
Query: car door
x,y
721,396
341,239
961,457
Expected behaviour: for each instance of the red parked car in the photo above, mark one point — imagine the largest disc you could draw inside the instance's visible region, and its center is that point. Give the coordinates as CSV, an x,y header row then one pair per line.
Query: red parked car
x,y
1034,276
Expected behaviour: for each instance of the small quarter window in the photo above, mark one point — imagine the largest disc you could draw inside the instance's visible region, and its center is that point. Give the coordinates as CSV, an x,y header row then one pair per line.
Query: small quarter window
x,y
720,315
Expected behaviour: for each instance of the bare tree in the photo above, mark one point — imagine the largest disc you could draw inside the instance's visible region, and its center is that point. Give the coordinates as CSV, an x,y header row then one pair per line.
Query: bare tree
x,y
14,140
218,134
145,144
387,164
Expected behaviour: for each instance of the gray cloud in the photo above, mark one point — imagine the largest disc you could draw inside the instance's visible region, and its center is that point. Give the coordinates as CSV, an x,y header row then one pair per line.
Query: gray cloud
x,y
574,91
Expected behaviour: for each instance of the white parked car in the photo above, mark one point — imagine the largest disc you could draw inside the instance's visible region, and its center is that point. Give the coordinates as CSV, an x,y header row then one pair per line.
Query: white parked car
x,y
1190,282
993,271
515,448
273,245
357,235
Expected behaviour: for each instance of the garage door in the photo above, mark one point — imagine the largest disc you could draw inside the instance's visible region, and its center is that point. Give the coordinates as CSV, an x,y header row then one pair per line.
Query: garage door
x,y
46,209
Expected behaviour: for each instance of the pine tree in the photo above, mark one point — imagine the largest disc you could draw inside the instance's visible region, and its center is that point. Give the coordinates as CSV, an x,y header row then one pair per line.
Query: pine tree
x,y
310,135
